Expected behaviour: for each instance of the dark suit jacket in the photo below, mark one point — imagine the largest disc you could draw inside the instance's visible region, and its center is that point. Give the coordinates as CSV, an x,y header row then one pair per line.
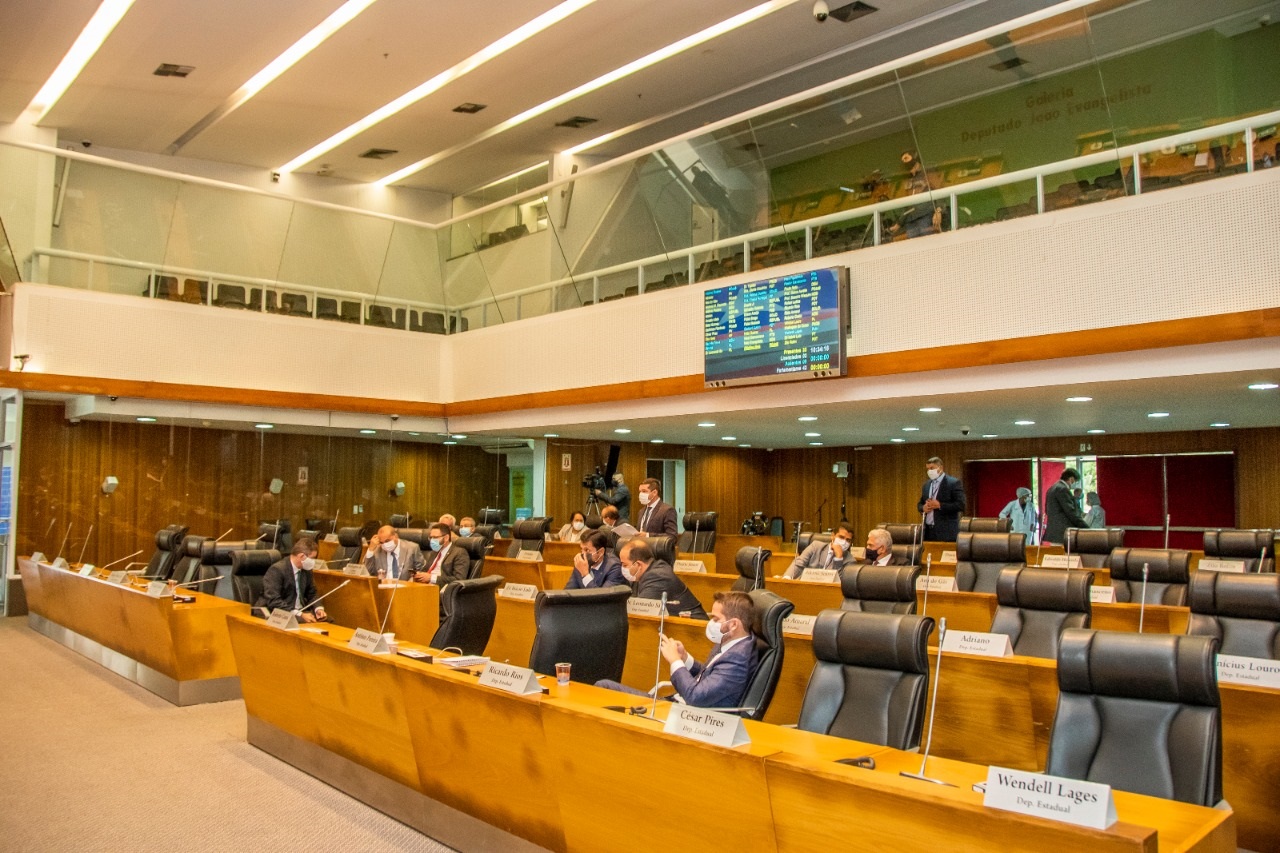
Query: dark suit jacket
x,y
661,520
278,589
607,573
895,560
1060,511
660,578
454,564
946,519
721,683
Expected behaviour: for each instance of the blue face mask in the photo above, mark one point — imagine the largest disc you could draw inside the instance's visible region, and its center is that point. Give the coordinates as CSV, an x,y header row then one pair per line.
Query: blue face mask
x,y
464,531
436,544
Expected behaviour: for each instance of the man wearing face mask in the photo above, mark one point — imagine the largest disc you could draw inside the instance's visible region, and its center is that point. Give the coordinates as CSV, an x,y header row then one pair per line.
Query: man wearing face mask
x,y
941,502
389,556
1060,509
595,566
1022,512
656,517
467,526
880,549
287,584
650,577
821,555
445,563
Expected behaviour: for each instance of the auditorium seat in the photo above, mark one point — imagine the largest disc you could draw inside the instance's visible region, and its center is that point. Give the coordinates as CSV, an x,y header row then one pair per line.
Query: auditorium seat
x,y
278,535
528,534
1034,607
871,677
165,286
294,305
247,571
1094,547
903,534
584,627
401,519
230,296
1241,611
187,566
1256,548
663,547
476,550
804,540
980,557
469,608
380,315
426,321
326,308
768,612
491,515
750,563
349,312
168,540
420,536
1166,580
215,556
1139,712
699,535
486,532
350,547
985,525
879,589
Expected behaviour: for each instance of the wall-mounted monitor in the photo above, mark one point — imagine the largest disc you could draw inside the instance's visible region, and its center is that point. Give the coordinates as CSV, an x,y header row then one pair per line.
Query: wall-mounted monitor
x,y
776,329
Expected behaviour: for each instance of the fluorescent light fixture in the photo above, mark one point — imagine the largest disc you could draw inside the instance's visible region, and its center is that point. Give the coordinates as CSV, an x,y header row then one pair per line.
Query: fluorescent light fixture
x,y
1097,432
82,50
145,420
1157,414
368,432
659,55
1220,424
1263,386
449,442
707,424
815,444
744,445
264,426
657,441
728,438
990,435
931,409
342,16
512,39
415,434
807,418
1079,399
459,437
551,435
813,435
1024,423
897,440
622,431
911,429
503,180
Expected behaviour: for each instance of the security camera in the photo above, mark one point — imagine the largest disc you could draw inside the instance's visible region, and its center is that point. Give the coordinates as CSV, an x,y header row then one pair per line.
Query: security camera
x,y
820,11
113,399
964,430
395,417
275,177
87,143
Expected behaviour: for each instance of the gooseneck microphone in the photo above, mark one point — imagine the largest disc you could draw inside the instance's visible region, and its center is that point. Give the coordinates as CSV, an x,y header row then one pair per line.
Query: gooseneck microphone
x,y
657,675
1142,608
928,567
928,743
395,586
197,583
64,542
224,535
121,560
331,592
85,545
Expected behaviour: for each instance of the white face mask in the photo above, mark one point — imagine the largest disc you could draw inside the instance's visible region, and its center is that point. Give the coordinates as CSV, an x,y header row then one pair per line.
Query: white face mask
x,y
934,473
626,573
841,543
464,531
645,497
308,564
389,546
715,632
578,525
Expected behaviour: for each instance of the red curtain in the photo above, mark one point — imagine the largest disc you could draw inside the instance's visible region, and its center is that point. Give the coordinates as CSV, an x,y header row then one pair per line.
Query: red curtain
x,y
1132,492
991,485
1202,493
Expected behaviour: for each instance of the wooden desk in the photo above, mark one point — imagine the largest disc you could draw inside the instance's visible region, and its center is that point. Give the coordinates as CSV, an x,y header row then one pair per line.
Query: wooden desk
x,y
728,544
363,603
560,553
179,652
513,632
809,598
704,586
538,573
1158,619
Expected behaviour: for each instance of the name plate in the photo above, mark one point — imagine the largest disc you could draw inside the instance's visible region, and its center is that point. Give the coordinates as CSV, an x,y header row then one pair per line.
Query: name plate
x,y
947,557
521,591
331,537
118,577
707,726
61,563
1221,565
1102,594
1060,561
38,557
364,640
978,643
529,556
644,606
86,570
1254,672
511,679
283,619
158,589
1053,797
858,553
356,569
820,576
799,624
689,566
941,583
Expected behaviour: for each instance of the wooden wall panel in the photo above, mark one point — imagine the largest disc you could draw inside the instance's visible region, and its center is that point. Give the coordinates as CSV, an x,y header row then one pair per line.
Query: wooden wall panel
x,y
214,479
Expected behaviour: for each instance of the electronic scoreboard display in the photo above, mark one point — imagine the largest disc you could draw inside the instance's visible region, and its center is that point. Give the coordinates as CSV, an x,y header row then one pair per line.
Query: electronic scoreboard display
x,y
777,329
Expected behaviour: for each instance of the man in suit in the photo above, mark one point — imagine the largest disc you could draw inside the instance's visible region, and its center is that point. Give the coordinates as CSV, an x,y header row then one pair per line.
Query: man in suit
x,y
446,563
595,566
880,549
656,517
822,555
391,557
650,578
610,518
1060,508
942,503
288,584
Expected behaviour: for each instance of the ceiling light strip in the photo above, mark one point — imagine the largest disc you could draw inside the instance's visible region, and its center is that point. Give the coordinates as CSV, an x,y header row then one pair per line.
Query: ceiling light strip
x,y
492,51
82,50
633,67
344,15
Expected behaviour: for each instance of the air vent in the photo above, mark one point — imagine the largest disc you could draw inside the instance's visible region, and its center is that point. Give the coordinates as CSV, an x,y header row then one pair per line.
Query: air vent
x,y
469,108
379,153
168,69
750,147
576,122
1009,64
853,11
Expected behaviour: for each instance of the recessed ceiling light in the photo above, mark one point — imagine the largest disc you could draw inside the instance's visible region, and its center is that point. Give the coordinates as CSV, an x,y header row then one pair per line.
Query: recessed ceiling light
x,y
264,426
728,438
1079,399
1157,414
931,409
1220,424
897,440
807,418
146,420
368,432
813,435
415,434
657,441
551,435
1263,386
459,437
911,429
991,435
707,424
1024,423
449,442
744,445
815,444
1096,431
622,431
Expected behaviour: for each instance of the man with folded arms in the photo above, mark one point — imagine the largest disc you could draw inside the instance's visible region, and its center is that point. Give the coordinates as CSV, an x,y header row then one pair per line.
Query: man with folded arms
x,y
287,584
821,555
650,578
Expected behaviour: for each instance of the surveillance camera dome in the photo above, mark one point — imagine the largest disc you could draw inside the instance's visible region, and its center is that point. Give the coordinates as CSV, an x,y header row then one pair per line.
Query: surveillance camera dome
x,y
820,11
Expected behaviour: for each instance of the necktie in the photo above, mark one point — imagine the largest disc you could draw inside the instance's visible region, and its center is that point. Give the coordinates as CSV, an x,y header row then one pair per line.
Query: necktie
x,y
933,495
395,566
644,522
297,590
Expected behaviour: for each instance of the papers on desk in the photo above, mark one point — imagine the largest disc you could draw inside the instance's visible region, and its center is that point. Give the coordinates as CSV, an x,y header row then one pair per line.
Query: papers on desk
x,y
463,660
1052,797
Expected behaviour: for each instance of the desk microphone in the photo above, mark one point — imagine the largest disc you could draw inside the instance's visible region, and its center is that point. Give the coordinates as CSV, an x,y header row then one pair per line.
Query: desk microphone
x,y
697,522
394,587
657,674
1037,561
759,571
1262,558
1142,608
85,545
223,536
918,540
1167,519
928,743
331,592
121,560
1068,538
50,528
334,531
928,567
197,583
275,535
64,542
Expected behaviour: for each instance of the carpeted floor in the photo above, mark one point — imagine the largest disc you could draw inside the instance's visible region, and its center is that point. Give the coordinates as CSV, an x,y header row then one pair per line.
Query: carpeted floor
x,y
92,762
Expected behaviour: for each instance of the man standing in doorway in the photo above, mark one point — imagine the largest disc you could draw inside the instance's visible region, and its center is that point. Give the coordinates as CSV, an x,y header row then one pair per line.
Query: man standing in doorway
x,y
942,503
1060,510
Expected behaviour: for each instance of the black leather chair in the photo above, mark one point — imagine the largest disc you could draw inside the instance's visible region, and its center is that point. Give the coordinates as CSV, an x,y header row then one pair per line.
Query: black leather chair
x,y
1139,712
419,536
750,563
1256,548
804,540
401,519
491,515
187,567
247,570
871,678
879,589
1094,547
168,541
766,624
476,550
910,553
486,532
980,557
699,535
1034,607
469,608
529,534
903,534
1166,580
215,561
276,534
320,526
584,627
985,525
350,547
663,546
1241,611
369,528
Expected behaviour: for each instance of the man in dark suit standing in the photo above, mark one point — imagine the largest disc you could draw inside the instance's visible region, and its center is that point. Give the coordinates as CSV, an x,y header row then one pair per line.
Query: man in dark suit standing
x,y
1060,508
288,585
445,563
650,577
942,503
656,517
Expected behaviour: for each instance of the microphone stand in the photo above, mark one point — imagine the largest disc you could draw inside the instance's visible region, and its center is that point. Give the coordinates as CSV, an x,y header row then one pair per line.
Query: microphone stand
x,y
657,674
85,545
924,605
933,709
64,542
1142,608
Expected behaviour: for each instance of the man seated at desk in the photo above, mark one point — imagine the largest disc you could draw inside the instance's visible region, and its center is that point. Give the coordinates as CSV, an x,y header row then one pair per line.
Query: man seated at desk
x,y
287,584
391,557
466,526
609,518
595,566
820,555
722,681
447,563
650,578
880,549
